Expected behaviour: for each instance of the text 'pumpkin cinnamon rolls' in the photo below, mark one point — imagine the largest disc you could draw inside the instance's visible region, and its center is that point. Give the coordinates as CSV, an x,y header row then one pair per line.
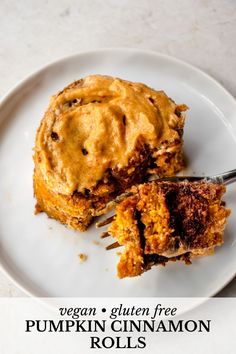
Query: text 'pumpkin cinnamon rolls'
x,y
99,136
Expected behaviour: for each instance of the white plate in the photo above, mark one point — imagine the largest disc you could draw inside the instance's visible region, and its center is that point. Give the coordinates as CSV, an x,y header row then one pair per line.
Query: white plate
x,y
40,254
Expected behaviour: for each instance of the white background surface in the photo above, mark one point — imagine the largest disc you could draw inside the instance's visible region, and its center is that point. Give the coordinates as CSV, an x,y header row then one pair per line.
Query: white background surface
x,y
33,33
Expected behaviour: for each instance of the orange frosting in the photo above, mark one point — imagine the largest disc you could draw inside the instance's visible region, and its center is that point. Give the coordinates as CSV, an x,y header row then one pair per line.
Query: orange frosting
x,y
96,124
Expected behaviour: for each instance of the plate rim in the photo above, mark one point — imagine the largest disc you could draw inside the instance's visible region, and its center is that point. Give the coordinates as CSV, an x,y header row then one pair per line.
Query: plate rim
x,y
30,77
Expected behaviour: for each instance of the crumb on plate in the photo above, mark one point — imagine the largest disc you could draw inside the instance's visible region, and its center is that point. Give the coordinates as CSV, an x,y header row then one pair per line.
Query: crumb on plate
x,y
82,257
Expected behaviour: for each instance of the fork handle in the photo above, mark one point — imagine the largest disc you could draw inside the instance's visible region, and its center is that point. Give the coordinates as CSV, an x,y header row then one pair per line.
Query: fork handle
x,y
226,177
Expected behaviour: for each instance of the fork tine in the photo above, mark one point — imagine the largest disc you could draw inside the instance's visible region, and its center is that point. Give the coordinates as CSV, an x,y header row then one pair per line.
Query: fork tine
x,y
113,245
121,197
105,222
105,234
114,202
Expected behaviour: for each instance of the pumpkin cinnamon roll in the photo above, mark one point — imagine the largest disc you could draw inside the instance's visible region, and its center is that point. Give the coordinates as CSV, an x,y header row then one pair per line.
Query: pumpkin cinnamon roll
x,y
98,137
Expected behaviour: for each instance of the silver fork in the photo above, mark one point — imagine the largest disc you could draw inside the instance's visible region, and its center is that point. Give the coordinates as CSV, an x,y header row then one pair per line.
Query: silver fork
x,y
222,178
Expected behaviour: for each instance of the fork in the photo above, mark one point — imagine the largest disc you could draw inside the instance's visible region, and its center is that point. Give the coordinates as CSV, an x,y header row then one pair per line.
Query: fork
x,y
225,178
221,178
